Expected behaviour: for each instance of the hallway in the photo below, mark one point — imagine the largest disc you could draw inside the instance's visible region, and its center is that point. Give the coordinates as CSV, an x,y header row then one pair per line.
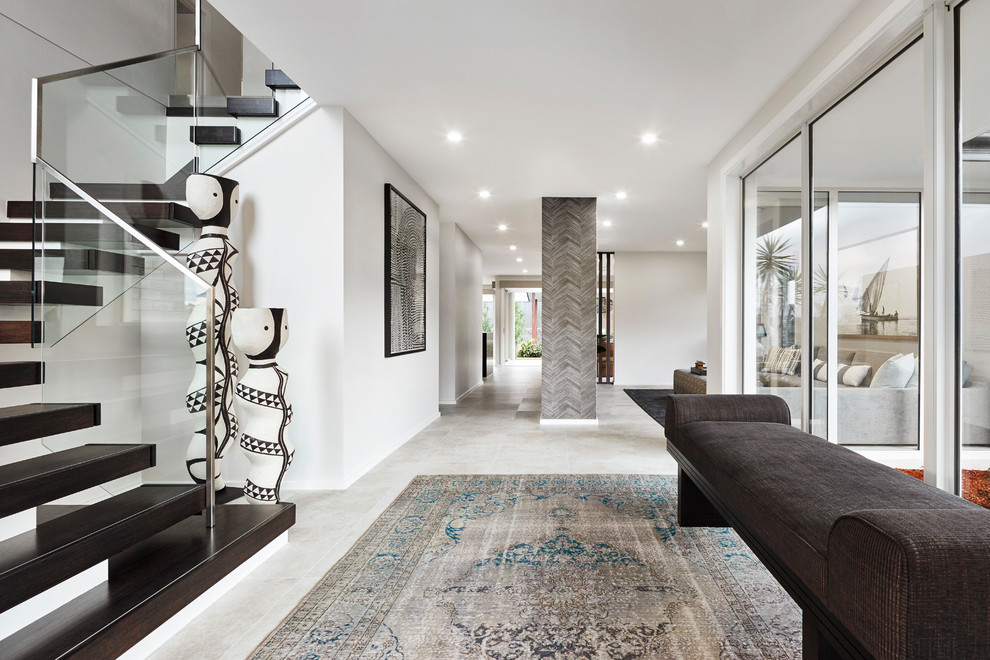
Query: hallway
x,y
494,430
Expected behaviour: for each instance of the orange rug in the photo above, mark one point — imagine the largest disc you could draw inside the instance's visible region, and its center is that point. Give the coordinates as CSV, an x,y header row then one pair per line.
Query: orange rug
x,y
975,484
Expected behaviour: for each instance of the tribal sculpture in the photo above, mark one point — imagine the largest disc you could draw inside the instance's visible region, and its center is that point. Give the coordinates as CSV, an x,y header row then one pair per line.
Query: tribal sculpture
x,y
214,200
260,334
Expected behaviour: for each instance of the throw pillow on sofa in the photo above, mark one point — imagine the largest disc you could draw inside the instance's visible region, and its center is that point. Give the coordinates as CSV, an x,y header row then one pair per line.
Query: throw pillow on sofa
x,y
851,376
913,380
854,375
782,361
895,372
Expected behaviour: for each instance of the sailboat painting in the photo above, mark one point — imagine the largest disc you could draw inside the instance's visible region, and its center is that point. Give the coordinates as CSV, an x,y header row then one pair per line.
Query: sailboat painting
x,y
874,307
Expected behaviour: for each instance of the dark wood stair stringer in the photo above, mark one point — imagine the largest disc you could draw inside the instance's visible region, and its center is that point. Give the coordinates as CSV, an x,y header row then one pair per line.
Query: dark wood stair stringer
x,y
40,420
37,560
149,583
35,481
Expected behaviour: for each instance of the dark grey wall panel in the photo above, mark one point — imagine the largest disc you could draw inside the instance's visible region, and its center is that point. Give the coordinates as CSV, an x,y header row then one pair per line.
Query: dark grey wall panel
x,y
569,346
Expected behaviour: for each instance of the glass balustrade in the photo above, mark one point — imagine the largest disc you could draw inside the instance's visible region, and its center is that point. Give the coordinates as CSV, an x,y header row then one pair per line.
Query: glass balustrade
x,y
114,309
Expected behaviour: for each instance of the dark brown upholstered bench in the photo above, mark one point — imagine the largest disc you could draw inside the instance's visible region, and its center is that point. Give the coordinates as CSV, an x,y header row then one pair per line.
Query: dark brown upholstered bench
x,y
881,564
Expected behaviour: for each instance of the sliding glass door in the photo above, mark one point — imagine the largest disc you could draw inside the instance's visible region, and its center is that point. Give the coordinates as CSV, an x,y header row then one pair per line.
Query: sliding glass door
x,y
973,227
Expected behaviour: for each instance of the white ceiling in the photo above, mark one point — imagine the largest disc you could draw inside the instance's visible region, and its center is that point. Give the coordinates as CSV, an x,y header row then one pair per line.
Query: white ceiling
x,y
551,97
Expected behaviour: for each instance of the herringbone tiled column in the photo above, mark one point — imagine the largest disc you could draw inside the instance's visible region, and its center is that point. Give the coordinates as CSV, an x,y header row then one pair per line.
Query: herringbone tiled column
x,y
569,346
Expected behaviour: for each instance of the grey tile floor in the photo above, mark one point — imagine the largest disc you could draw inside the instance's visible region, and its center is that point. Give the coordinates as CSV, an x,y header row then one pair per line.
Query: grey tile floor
x,y
494,430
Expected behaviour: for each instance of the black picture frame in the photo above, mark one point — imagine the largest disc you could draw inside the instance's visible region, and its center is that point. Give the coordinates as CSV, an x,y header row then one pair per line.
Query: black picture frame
x,y
405,275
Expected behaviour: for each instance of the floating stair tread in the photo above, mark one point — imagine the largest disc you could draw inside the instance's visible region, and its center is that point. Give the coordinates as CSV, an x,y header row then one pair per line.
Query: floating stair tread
x,y
276,79
158,192
252,106
78,259
19,374
91,235
19,332
222,135
40,420
137,211
35,481
56,550
149,583
172,190
21,292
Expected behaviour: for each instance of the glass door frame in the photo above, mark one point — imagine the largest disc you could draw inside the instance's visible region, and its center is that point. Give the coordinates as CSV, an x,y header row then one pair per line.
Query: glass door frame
x,y
939,341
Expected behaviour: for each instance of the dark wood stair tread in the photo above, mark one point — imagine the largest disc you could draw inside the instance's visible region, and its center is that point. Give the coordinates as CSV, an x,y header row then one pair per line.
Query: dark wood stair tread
x,y
19,374
35,481
252,106
172,190
40,420
105,234
222,135
276,79
19,332
136,211
34,561
55,293
78,259
149,583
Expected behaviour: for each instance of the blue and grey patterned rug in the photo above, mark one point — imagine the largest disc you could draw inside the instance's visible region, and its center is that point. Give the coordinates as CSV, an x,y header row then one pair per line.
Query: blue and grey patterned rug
x,y
541,566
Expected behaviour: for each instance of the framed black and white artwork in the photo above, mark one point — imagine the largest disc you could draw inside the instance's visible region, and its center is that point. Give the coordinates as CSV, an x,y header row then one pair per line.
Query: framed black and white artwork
x,y
405,275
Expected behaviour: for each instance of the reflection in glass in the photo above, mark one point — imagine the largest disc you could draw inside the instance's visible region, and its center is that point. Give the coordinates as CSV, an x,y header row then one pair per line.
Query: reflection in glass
x,y
974,248
772,244
868,156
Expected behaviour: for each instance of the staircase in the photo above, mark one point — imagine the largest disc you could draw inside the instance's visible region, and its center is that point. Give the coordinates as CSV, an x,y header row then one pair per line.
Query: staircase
x,y
160,555
83,267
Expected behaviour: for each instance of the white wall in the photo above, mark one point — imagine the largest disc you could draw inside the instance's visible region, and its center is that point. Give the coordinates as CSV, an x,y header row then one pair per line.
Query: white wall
x,y
386,400
42,38
291,237
311,237
660,315
460,313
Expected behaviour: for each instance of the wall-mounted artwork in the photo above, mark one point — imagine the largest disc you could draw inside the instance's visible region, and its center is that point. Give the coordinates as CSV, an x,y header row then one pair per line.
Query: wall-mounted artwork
x,y
405,275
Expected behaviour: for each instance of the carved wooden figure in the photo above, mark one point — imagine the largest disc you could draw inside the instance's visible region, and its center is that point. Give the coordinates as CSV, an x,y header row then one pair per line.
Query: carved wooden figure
x,y
215,202
260,334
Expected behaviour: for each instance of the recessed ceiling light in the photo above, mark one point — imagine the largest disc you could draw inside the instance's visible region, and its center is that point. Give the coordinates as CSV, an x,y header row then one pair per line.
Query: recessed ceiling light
x,y
484,194
503,227
512,247
704,225
525,271
606,223
621,194
680,243
519,259
649,138
454,136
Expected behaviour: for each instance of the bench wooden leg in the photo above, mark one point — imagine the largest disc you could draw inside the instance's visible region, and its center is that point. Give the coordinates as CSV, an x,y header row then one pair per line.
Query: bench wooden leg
x,y
816,646
693,508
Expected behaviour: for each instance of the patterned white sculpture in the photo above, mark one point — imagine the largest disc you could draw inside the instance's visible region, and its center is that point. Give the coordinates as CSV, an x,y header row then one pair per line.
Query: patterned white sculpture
x,y
260,334
215,202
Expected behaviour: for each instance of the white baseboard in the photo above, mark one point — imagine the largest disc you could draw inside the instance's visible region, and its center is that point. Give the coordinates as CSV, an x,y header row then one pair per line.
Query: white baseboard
x,y
187,614
359,472
461,397
569,422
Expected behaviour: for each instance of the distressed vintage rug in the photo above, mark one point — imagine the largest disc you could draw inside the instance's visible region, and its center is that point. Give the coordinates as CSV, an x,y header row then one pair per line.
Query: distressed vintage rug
x,y
546,566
